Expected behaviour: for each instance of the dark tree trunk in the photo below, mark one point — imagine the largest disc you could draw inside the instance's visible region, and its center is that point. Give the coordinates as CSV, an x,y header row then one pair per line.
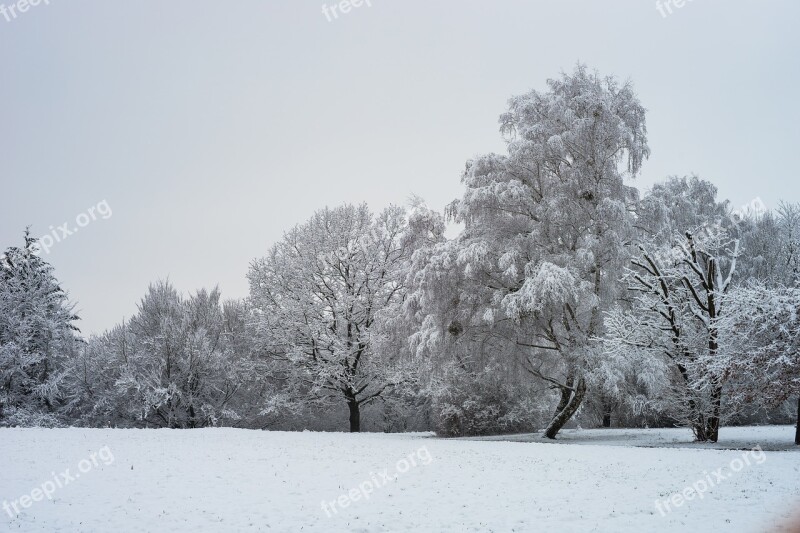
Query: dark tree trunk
x,y
355,416
712,431
607,420
566,395
797,432
563,416
700,431
699,425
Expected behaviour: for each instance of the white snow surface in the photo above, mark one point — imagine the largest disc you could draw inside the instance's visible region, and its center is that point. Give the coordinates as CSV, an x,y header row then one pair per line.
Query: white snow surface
x,y
237,480
731,438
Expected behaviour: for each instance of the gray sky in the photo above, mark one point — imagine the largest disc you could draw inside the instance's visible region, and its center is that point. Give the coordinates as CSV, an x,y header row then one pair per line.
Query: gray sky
x,y
209,128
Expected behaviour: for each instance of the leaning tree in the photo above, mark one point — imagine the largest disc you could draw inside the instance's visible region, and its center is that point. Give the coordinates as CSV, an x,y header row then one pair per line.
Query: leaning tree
x,y
545,228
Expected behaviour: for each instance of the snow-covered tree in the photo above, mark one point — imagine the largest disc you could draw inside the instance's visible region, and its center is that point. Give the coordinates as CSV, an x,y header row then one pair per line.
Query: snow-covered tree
x,y
37,339
321,296
544,236
180,362
688,249
760,354
772,241
675,315
677,205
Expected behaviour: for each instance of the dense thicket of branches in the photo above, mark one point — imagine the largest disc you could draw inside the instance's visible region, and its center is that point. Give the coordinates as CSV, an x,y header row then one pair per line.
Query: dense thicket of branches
x,y
567,297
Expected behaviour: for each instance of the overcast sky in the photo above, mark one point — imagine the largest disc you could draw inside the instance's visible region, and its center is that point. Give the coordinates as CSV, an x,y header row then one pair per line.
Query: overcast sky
x,y
209,128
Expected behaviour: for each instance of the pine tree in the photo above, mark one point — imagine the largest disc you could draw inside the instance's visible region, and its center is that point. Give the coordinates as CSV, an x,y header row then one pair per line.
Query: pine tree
x,y
37,338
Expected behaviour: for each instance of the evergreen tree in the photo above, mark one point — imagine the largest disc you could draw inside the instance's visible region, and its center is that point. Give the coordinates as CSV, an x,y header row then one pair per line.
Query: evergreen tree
x,y
37,338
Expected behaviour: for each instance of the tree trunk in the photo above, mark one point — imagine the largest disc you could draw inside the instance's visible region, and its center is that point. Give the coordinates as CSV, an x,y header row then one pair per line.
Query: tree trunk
x,y
712,432
562,417
355,416
797,432
566,394
607,420
698,424
700,431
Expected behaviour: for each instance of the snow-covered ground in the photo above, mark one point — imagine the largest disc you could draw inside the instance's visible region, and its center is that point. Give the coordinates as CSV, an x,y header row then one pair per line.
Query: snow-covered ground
x,y
235,480
731,438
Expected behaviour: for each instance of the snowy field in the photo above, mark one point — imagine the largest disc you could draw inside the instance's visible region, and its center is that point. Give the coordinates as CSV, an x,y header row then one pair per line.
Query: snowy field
x,y
731,438
235,480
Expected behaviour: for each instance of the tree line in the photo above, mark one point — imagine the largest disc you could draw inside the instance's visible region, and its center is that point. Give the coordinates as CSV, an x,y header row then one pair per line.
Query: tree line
x,y
568,296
